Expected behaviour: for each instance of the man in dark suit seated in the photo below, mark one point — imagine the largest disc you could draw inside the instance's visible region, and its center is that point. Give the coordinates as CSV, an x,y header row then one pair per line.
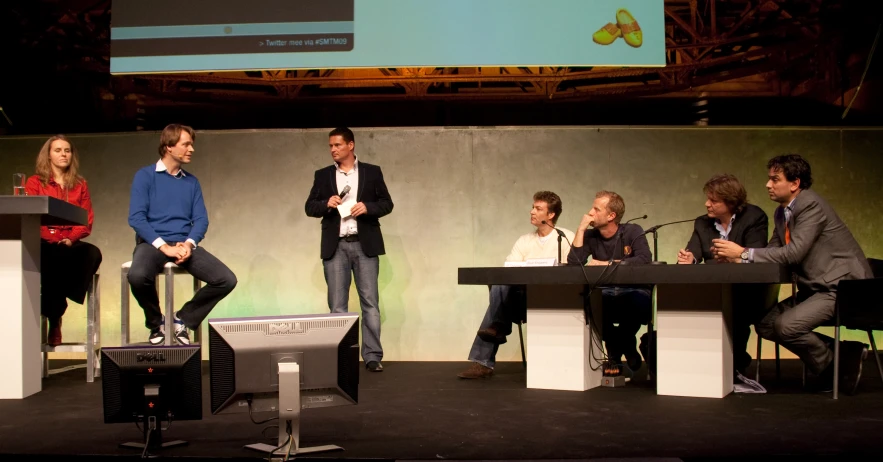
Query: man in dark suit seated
x,y
730,217
812,240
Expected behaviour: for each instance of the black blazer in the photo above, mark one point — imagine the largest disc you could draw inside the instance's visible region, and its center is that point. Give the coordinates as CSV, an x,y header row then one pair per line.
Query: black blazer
x,y
371,191
750,230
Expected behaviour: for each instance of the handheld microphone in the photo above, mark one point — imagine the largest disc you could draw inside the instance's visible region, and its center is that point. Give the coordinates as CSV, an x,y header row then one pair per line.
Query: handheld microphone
x,y
346,189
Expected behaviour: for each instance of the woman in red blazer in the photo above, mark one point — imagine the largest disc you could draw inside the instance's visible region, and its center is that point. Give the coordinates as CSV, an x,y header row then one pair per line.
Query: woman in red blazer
x,y
67,263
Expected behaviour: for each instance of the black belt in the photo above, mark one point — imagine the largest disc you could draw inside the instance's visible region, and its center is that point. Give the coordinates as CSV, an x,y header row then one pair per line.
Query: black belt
x,y
350,238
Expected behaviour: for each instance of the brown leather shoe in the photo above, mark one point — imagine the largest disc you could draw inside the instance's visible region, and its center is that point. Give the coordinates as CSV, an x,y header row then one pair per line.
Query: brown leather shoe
x,y
476,371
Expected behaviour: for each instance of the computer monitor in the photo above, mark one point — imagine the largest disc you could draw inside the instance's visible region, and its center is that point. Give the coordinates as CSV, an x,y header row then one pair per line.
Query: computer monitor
x,y
283,364
150,385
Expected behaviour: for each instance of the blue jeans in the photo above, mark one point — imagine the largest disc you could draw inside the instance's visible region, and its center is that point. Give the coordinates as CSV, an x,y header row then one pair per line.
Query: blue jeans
x,y
625,309
505,305
349,260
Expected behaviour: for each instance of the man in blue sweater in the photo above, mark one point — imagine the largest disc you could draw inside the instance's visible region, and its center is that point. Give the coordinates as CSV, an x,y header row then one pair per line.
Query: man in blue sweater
x,y
168,214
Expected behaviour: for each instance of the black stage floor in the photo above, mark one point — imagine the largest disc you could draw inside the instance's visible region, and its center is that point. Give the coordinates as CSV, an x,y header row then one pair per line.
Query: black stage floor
x,y
421,411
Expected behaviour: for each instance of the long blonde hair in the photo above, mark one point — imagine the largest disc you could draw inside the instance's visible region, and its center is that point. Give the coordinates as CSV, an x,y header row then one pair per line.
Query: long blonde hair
x,y
71,176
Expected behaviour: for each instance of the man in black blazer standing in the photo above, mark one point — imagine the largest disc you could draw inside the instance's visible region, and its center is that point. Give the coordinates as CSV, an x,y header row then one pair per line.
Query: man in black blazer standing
x,y
729,216
350,196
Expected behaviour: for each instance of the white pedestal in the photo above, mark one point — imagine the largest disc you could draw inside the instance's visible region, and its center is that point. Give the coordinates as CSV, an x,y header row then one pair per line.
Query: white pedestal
x,y
559,341
694,348
20,314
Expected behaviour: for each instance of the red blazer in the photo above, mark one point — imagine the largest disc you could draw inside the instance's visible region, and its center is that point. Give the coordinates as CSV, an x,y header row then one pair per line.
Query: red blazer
x,y
78,196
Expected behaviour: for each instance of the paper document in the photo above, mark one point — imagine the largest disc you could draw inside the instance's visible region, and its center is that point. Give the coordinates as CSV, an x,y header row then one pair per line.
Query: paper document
x,y
747,385
346,209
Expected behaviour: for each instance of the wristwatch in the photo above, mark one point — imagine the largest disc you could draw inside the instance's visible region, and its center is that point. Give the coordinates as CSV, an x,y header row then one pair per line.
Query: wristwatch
x,y
744,254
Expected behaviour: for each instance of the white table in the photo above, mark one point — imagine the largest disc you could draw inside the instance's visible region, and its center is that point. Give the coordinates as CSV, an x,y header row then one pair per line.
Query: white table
x,y
20,221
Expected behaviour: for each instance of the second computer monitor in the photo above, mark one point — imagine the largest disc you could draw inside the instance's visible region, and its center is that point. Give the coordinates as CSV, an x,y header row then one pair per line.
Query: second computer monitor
x,y
245,354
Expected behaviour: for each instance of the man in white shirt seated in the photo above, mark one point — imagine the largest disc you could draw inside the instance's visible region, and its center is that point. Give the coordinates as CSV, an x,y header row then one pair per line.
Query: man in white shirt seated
x,y
508,304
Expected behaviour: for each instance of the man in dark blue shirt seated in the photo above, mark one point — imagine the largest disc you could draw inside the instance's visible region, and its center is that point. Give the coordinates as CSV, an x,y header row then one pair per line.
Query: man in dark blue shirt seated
x,y
625,308
168,214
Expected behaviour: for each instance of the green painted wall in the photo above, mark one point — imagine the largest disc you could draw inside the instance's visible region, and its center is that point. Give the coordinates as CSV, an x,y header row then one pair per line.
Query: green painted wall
x,y
462,197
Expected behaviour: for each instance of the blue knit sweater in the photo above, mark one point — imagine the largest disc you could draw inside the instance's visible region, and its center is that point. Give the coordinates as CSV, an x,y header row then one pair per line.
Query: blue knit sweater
x,y
165,206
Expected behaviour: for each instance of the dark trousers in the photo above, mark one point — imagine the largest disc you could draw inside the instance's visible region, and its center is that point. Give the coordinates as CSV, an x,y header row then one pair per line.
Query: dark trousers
x,y
148,261
750,303
625,309
65,272
506,305
513,309
791,324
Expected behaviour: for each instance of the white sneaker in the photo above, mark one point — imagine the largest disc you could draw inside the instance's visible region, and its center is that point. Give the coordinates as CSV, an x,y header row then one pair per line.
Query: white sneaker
x,y
157,335
181,335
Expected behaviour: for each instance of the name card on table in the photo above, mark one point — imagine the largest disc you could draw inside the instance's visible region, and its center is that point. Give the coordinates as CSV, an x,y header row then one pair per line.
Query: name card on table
x,y
541,262
532,262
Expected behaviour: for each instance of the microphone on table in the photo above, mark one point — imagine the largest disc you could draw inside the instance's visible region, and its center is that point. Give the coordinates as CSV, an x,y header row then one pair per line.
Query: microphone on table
x,y
560,235
653,230
620,237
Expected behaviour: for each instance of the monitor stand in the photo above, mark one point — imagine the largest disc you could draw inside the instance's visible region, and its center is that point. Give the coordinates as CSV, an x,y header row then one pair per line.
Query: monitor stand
x,y
289,417
152,424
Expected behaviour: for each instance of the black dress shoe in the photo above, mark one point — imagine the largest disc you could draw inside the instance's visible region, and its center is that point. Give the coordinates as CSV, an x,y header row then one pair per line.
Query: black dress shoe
x,y
633,361
374,366
852,354
825,381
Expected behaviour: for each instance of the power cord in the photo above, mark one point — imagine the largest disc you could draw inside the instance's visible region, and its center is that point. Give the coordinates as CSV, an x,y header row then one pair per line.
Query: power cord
x,y
144,453
587,313
170,416
252,417
596,342
264,431
288,442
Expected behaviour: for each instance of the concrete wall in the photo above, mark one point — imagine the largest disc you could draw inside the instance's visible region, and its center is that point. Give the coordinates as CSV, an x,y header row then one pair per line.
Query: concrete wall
x,y
462,196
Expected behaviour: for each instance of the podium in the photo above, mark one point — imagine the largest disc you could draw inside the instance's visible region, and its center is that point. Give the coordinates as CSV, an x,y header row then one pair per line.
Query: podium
x,y
20,221
694,350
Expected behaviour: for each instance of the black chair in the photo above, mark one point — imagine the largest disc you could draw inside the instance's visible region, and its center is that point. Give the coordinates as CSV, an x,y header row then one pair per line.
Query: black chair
x,y
521,339
757,361
859,307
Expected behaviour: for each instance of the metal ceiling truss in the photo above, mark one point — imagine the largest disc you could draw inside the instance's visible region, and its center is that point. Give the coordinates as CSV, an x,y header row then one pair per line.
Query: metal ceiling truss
x,y
707,42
